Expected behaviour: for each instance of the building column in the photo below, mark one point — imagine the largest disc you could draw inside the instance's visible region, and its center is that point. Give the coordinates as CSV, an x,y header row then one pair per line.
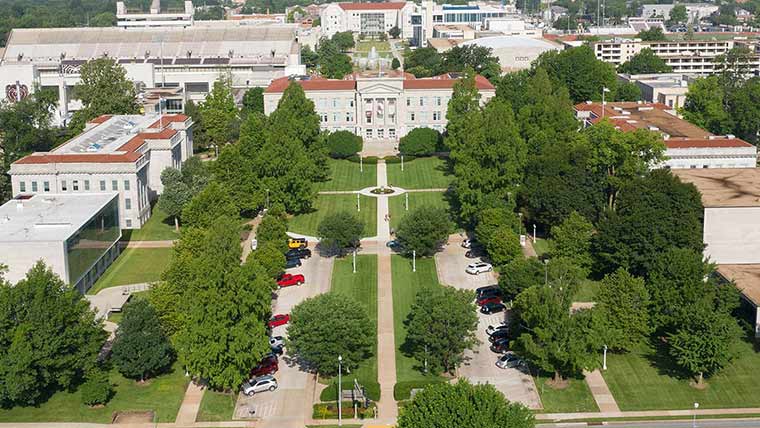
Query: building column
x,y
63,99
757,321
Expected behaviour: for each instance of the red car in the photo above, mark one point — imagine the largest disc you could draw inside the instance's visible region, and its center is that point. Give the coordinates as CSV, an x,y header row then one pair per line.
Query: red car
x,y
267,366
279,319
488,299
286,280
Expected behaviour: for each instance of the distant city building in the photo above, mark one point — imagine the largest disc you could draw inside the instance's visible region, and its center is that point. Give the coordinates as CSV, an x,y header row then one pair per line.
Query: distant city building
x,y
126,18
515,53
192,58
683,56
368,19
259,18
378,107
694,11
513,26
664,88
687,145
124,154
75,235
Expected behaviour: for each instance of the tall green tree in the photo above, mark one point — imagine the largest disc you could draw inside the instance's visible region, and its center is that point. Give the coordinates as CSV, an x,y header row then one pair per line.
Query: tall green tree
x,y
208,205
678,15
180,186
654,34
339,231
520,274
219,113
478,58
423,62
253,101
440,327
140,348
464,405
706,106
332,62
423,231
644,62
103,89
579,70
623,305
272,229
49,337
331,324
295,116
572,239
344,40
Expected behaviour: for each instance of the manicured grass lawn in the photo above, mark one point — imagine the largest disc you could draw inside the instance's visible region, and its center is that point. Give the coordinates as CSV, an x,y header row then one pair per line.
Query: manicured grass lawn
x,y
541,246
575,398
133,266
216,406
347,175
397,204
159,227
366,46
421,173
362,287
647,380
162,395
587,291
406,284
307,224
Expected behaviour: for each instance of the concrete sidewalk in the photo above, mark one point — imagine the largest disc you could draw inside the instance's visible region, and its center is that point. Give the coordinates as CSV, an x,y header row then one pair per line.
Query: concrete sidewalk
x,y
146,244
602,395
191,404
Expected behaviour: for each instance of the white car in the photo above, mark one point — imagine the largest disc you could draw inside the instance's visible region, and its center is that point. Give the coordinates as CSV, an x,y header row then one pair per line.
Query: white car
x,y
467,243
479,267
494,328
510,360
276,341
260,384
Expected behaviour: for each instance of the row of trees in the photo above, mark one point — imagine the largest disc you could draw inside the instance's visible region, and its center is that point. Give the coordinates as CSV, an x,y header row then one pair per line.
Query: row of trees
x,y
426,62
330,59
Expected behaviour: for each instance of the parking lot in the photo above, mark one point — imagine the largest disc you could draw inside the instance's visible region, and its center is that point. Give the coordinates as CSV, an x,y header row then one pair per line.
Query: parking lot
x,y
289,404
481,364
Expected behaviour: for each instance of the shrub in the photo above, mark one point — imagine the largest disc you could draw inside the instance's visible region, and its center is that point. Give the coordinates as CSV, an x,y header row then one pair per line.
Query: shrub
x,y
369,160
96,389
343,144
420,142
329,393
403,390
395,64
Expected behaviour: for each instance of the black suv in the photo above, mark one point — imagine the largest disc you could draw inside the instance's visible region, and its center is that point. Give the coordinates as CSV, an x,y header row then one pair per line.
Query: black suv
x,y
298,253
291,263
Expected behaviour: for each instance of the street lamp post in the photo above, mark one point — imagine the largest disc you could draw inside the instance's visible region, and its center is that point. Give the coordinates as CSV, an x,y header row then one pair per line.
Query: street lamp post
x,y
340,392
414,261
358,204
520,225
534,233
354,260
604,360
402,163
407,201
361,164
694,420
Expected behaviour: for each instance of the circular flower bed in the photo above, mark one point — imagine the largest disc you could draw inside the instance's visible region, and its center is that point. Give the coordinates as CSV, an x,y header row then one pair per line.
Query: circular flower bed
x,y
382,191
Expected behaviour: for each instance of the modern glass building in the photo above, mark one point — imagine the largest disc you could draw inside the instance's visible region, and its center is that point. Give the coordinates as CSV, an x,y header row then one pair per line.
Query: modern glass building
x,y
76,235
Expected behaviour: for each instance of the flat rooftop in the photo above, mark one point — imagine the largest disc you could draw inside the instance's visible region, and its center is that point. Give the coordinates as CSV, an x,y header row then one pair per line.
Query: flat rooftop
x,y
107,137
48,217
724,187
746,278
652,116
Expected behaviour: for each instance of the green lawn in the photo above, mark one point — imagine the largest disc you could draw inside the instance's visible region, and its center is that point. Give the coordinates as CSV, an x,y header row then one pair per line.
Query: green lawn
x,y
587,291
159,227
406,284
575,398
307,224
362,287
162,395
397,204
216,406
133,266
646,380
421,173
367,45
541,246
347,175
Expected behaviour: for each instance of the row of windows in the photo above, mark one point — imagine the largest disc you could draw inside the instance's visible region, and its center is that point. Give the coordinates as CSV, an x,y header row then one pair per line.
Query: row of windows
x,y
379,133
423,116
322,103
423,101
75,186
336,117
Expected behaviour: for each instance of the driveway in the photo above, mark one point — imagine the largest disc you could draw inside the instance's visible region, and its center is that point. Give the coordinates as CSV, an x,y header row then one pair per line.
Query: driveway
x,y
480,366
290,404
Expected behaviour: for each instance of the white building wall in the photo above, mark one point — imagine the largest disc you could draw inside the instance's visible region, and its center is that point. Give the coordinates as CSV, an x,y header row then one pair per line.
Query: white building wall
x,y
732,235
731,157
19,257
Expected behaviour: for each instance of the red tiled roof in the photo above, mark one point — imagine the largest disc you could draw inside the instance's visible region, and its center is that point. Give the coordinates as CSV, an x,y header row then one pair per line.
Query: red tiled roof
x,y
444,82
313,84
169,118
138,140
372,6
688,143
102,118
45,158
349,84
609,107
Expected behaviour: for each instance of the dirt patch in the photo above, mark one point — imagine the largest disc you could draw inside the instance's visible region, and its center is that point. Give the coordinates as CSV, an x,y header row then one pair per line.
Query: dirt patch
x,y
700,386
558,383
132,417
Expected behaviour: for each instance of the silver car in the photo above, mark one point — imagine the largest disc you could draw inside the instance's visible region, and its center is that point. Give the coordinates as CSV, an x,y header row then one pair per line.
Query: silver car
x,y
510,360
479,267
260,384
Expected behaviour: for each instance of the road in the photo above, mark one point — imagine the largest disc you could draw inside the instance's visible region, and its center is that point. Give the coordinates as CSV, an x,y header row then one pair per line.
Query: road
x,y
700,423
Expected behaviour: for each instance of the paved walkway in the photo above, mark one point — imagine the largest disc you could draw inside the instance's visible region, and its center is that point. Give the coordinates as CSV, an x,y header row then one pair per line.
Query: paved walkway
x,y
113,298
188,411
146,244
386,344
602,395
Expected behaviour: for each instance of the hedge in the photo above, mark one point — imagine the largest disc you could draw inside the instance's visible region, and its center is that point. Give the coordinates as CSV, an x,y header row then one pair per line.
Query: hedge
x,y
329,393
369,160
403,390
330,411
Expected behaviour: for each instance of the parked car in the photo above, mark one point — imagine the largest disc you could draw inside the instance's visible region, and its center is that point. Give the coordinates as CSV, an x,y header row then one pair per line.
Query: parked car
x,y
393,244
472,254
484,300
492,308
286,280
298,253
276,341
279,319
498,335
467,243
478,267
500,346
292,263
267,366
491,329
487,289
261,384
254,244
510,360
295,243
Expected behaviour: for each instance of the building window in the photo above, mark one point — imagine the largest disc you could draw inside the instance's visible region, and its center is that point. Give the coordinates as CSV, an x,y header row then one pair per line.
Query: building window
x,y
324,117
335,117
411,116
438,101
368,133
126,184
335,103
129,222
392,133
102,185
381,133
351,103
22,186
114,185
422,101
34,186
409,102
127,204
87,185
436,115
46,186
63,185
349,116
75,185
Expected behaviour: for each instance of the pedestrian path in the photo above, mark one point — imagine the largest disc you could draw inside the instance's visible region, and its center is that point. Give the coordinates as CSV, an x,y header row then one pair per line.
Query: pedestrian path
x,y
146,244
191,403
112,299
386,343
602,395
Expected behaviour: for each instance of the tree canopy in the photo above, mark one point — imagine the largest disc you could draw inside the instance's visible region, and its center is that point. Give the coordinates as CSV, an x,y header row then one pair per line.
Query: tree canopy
x,y
140,348
644,62
103,89
579,70
423,230
340,230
